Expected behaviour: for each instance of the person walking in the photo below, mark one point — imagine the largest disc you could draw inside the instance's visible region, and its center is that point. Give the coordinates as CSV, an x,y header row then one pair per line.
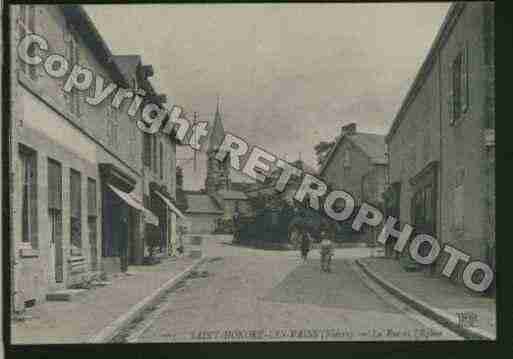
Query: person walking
x,y
326,253
305,244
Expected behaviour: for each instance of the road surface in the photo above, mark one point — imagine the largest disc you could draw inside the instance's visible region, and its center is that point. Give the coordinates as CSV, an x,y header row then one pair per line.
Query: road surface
x,y
248,294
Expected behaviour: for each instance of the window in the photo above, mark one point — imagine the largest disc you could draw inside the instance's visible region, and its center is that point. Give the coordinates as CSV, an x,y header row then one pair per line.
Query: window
x,y
161,161
146,155
55,215
54,185
76,212
460,85
154,148
419,208
73,55
112,126
27,25
92,222
132,143
28,160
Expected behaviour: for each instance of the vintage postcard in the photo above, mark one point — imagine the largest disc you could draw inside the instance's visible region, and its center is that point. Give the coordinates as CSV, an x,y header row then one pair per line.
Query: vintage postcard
x,y
251,172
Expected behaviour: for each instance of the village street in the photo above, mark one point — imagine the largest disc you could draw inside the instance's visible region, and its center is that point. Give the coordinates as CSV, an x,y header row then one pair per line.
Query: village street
x,y
245,294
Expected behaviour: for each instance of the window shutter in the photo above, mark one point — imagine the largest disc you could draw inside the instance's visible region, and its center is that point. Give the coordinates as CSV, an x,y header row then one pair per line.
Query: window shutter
x,y
464,79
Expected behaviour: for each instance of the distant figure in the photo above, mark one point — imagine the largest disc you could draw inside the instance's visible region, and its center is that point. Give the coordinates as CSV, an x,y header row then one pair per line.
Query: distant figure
x,y
236,226
305,244
326,254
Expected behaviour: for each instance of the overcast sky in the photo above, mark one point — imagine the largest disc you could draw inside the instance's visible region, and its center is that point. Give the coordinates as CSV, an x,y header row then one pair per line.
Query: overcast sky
x,y
289,75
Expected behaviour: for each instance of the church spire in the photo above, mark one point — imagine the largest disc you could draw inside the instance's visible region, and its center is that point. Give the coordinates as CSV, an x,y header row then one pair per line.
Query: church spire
x,y
218,114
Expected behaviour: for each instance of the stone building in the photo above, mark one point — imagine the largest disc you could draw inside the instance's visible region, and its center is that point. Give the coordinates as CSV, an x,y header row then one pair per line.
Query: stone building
x,y
223,192
76,176
441,143
158,153
357,164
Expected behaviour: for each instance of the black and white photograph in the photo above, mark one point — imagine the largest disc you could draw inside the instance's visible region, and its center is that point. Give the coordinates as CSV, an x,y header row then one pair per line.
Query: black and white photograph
x,y
250,172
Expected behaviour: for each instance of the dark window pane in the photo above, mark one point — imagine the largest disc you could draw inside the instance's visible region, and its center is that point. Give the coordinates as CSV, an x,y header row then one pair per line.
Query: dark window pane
x,y
76,203
456,84
29,196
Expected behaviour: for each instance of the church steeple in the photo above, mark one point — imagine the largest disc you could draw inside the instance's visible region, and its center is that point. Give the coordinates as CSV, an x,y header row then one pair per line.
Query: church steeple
x,y
217,173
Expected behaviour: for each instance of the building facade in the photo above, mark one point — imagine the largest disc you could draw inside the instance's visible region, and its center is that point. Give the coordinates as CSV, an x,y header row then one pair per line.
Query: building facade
x,y
76,171
357,164
441,143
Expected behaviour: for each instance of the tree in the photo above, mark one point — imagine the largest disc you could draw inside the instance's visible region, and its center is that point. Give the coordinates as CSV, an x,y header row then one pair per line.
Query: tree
x,y
322,149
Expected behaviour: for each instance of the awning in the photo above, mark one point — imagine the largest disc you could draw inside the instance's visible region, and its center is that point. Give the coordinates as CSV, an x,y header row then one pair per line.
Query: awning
x,y
171,206
149,216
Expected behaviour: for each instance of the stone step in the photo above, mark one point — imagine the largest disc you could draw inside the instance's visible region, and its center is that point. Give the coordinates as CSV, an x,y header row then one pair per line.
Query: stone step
x,y
67,295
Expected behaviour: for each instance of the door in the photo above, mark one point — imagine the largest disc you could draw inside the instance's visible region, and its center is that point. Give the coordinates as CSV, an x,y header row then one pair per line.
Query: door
x,y
55,254
56,268
93,242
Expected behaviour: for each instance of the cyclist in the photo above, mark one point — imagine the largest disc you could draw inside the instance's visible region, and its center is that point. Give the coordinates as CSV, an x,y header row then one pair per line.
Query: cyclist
x,y
326,253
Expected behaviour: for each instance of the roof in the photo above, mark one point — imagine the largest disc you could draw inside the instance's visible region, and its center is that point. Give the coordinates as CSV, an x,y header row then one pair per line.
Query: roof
x,y
201,203
127,64
231,194
450,19
85,27
373,145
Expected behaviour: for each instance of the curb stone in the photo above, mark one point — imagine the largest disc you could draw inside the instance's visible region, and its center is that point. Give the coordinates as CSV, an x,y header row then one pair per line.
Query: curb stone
x,y
442,317
110,331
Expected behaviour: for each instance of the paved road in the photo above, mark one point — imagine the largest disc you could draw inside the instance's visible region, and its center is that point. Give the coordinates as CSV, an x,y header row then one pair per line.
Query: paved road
x,y
244,294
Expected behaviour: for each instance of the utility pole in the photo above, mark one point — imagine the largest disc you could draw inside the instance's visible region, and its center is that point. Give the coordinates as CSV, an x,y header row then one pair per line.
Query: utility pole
x,y
195,158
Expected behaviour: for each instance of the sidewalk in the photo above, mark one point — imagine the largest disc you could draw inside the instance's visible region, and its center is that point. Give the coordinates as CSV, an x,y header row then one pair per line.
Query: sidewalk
x,y
97,308
436,295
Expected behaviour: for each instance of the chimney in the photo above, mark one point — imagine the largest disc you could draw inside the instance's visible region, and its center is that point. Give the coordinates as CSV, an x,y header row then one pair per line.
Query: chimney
x,y
349,129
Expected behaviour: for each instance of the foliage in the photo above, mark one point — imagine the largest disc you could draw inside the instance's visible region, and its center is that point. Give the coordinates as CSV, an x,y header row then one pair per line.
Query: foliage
x,y
322,149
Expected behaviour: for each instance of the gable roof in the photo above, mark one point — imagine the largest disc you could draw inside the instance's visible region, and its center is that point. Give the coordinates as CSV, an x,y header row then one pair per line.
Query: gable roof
x,y
441,37
201,203
76,15
373,145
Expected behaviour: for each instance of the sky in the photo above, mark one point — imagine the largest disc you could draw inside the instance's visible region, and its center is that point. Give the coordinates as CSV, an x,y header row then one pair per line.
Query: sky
x,y
288,75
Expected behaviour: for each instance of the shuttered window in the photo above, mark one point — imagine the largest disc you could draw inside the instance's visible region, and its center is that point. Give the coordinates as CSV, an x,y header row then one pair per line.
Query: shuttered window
x,y
28,167
460,95
161,161
146,155
456,87
76,209
54,185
